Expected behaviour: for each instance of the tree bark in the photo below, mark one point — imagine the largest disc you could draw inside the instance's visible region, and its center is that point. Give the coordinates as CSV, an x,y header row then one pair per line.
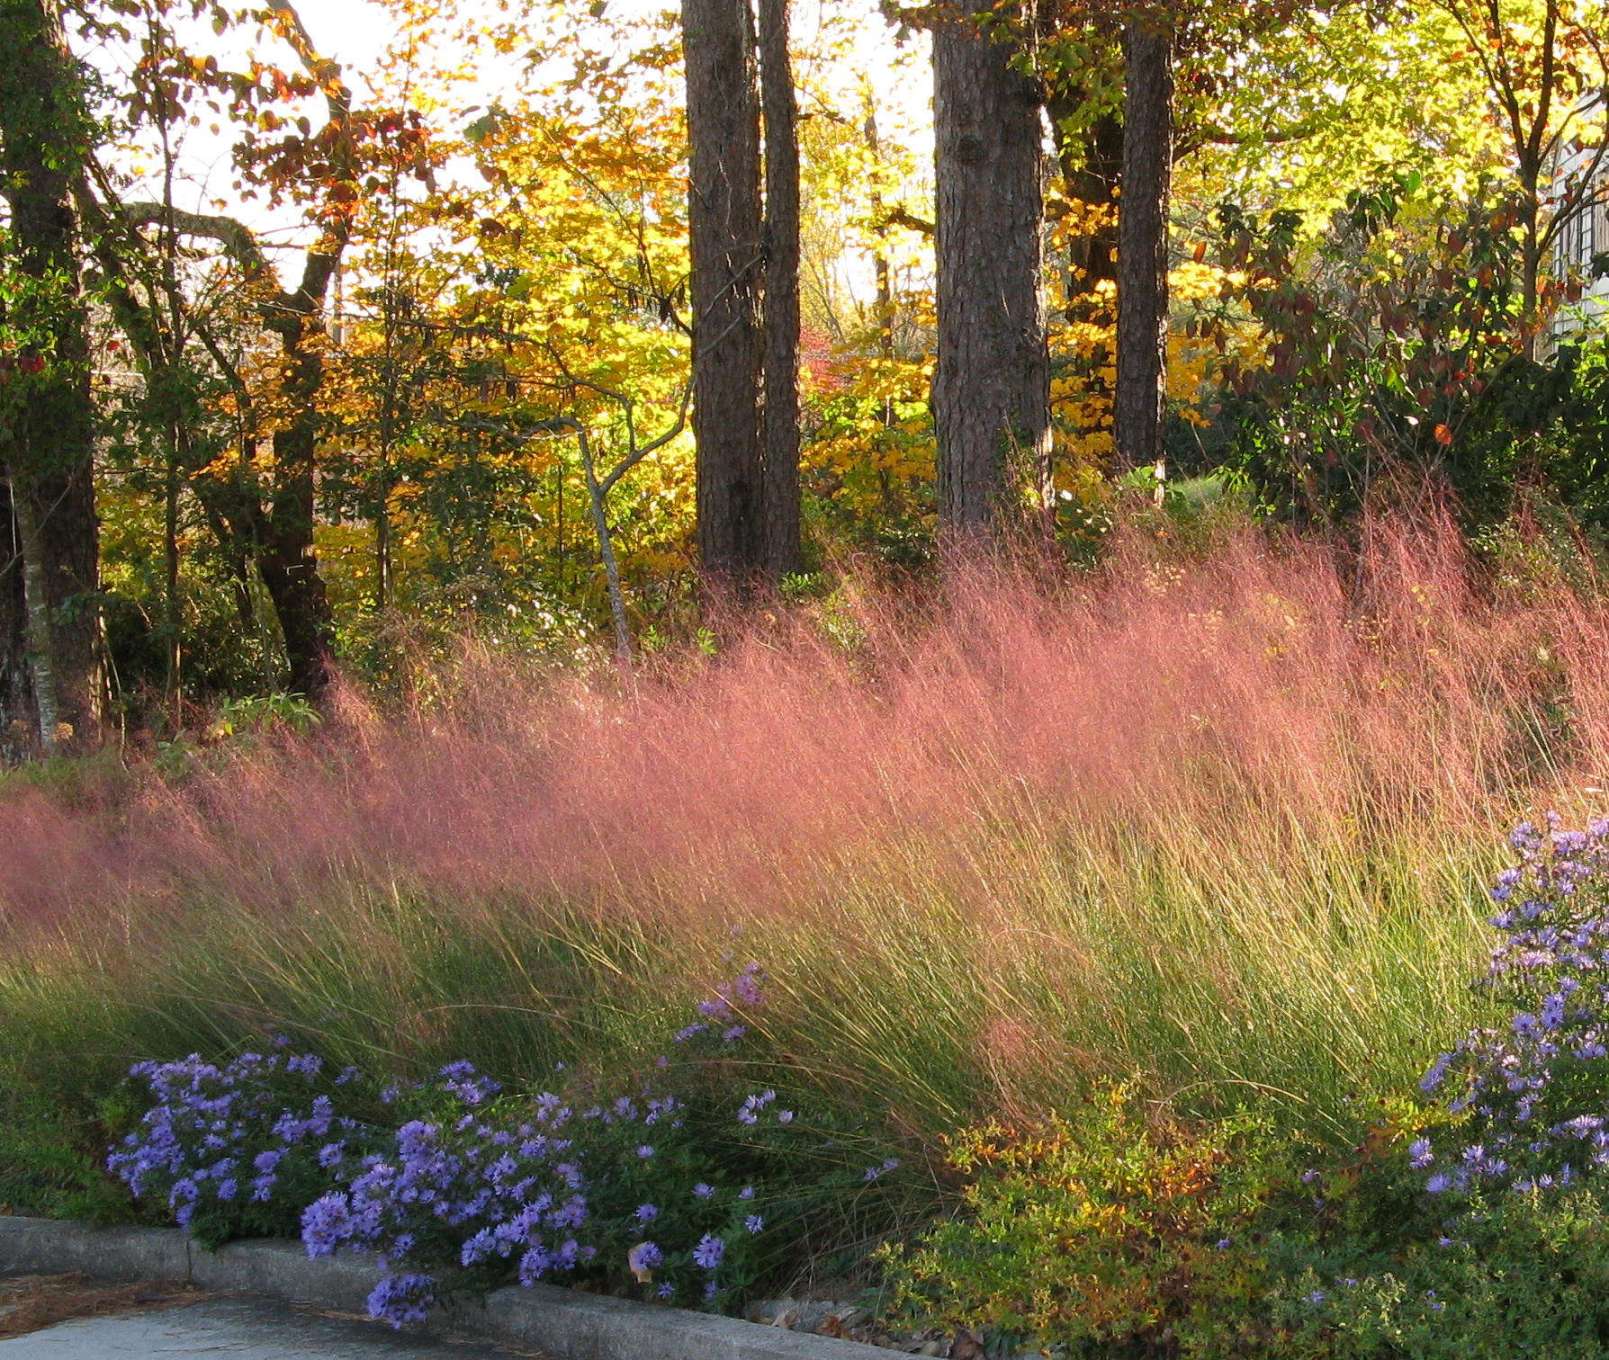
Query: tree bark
x,y
1143,242
727,269
883,278
781,360
598,498
16,684
991,390
1142,290
49,440
41,642
289,564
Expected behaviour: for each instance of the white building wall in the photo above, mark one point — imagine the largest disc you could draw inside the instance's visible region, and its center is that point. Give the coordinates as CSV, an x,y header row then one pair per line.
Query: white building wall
x,y
1585,236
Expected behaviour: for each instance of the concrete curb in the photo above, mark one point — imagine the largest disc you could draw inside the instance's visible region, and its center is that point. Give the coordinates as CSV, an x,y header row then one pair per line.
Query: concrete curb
x,y
566,1324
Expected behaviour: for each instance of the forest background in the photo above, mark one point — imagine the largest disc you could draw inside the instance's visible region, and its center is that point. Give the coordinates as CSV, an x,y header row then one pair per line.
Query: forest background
x,y
350,334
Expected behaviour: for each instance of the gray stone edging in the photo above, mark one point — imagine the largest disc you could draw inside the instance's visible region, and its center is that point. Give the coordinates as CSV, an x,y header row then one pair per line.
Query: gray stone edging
x,y
564,1323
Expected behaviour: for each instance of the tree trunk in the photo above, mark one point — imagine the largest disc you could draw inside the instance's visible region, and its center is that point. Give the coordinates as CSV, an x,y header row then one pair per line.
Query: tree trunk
x,y
724,225
49,440
41,643
17,712
883,279
1142,291
1531,267
172,605
598,497
991,391
781,292
288,564
290,575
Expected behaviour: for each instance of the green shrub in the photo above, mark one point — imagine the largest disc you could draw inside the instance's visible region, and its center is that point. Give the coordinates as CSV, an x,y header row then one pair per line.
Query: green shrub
x,y
1108,1232
1527,1275
1119,1232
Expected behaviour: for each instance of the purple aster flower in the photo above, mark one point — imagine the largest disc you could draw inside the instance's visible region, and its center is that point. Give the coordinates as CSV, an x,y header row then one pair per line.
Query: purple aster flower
x,y
747,986
326,1224
709,1252
754,1223
534,1265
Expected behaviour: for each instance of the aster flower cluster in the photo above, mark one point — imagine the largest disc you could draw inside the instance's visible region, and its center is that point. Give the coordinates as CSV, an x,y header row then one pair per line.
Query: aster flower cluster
x,y
452,1182
1535,1091
470,1192
236,1148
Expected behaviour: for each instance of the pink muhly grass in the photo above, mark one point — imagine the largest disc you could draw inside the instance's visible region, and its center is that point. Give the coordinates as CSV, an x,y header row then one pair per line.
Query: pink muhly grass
x,y
1005,776
1254,682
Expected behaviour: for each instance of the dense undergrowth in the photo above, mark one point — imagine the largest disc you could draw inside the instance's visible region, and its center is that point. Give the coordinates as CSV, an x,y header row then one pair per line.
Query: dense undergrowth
x,y
1209,827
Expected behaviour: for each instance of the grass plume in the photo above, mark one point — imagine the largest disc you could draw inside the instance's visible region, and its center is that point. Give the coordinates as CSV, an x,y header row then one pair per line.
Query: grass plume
x,y
1220,818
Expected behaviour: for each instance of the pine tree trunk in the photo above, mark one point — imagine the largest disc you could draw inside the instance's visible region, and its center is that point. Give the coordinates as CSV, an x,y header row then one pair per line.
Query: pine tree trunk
x,y
991,391
725,228
1142,290
781,292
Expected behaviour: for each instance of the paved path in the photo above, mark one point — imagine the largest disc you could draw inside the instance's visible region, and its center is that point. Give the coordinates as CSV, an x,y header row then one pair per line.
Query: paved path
x,y
235,1329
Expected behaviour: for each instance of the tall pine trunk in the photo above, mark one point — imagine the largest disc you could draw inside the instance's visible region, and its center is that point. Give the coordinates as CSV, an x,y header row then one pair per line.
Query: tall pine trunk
x,y
991,390
1142,256
47,441
781,291
728,270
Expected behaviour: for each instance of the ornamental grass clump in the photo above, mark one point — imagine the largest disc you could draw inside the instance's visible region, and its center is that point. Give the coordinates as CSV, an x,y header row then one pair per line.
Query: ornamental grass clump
x,y
1534,1090
1217,816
